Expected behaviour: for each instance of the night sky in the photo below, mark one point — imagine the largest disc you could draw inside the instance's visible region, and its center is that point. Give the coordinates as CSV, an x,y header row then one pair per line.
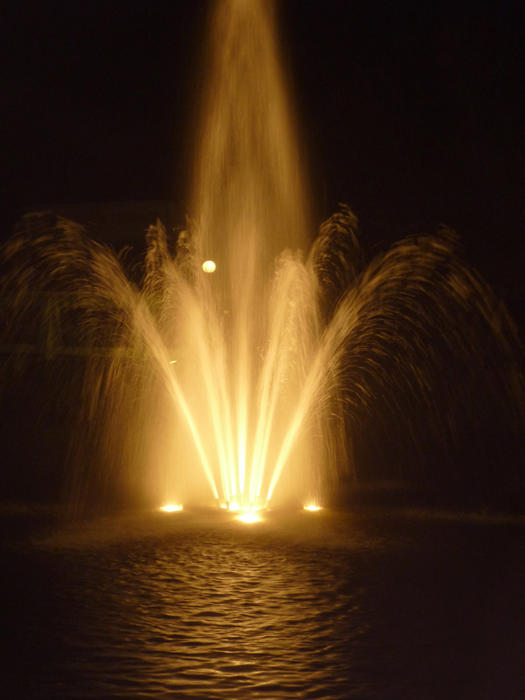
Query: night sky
x,y
410,112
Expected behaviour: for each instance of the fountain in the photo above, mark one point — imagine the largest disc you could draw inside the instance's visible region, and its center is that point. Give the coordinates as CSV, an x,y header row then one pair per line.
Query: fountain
x,y
250,365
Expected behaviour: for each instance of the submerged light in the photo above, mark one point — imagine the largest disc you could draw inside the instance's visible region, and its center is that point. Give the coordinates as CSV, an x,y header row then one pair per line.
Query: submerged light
x,y
171,507
249,517
312,507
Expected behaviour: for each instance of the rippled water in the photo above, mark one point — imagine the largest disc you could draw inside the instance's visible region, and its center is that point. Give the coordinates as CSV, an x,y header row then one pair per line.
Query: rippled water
x,y
327,605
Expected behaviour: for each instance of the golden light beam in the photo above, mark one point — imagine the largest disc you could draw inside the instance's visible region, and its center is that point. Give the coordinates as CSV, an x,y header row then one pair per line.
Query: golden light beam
x,y
160,354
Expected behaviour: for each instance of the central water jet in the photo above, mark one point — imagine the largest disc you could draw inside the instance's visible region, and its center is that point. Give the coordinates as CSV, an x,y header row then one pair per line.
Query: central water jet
x,y
249,330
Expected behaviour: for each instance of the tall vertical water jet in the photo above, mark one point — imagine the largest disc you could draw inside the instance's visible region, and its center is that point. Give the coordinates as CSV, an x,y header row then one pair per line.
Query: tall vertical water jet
x,y
248,207
248,194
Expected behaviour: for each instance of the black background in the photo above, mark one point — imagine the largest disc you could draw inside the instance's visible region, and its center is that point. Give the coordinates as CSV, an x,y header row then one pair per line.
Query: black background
x,y
411,113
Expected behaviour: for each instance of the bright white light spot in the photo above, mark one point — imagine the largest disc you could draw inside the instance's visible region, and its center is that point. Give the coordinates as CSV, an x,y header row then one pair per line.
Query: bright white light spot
x,y
249,517
224,506
233,506
209,266
312,507
173,362
171,507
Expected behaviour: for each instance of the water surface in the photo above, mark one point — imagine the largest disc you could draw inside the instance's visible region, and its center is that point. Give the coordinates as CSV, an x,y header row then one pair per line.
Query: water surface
x,y
365,604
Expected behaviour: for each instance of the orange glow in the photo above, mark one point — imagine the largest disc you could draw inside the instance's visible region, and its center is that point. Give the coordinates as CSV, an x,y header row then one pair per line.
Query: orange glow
x,y
312,507
171,508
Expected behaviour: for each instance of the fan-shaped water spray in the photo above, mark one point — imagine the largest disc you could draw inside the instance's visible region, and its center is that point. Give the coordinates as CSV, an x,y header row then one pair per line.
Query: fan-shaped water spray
x,y
242,368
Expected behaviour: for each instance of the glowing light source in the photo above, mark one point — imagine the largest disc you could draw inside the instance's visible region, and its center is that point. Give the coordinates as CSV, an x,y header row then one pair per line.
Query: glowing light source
x,y
312,507
171,507
249,517
209,266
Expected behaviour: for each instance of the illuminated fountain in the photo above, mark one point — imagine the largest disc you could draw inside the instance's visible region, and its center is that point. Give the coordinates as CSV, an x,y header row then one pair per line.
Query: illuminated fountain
x,y
251,365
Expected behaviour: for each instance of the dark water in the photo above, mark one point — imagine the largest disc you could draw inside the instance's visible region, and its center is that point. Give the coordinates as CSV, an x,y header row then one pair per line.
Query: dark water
x,y
366,604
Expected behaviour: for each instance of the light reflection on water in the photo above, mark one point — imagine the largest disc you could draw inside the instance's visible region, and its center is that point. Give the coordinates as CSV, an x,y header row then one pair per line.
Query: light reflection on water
x,y
194,605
